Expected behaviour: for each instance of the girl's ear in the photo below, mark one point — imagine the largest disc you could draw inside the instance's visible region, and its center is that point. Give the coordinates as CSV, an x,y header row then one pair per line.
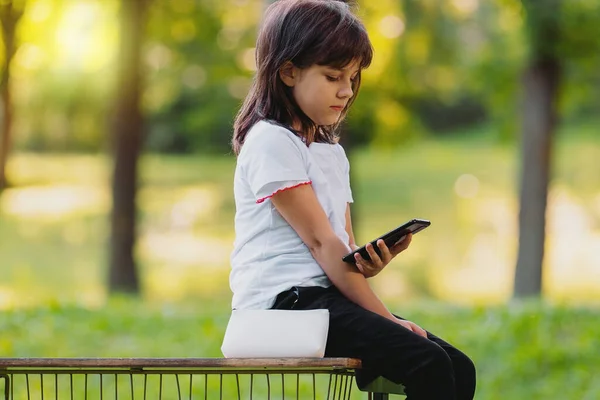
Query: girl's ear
x,y
288,74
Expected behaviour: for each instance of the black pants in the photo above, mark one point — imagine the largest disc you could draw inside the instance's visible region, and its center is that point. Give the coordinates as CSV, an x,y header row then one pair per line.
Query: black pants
x,y
429,368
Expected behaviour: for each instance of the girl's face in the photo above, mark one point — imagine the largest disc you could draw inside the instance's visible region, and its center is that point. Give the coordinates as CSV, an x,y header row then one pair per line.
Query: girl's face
x,y
321,92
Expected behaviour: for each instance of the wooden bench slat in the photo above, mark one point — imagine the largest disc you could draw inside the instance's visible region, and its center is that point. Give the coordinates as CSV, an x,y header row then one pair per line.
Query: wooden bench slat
x,y
320,363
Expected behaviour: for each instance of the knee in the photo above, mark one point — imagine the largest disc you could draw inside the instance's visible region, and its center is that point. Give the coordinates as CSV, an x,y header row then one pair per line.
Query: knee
x,y
436,360
465,376
464,366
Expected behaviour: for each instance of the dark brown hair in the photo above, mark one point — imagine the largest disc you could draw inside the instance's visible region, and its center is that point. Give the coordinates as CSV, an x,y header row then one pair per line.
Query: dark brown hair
x,y
304,32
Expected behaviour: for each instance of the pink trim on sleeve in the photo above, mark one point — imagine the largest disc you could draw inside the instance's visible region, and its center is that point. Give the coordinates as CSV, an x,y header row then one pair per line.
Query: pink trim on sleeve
x,y
281,190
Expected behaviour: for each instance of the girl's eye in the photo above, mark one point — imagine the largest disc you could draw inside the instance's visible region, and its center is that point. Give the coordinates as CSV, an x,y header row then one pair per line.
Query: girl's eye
x,y
332,78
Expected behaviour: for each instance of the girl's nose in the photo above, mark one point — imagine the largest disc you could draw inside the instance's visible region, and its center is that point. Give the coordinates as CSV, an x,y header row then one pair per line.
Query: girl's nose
x,y
346,92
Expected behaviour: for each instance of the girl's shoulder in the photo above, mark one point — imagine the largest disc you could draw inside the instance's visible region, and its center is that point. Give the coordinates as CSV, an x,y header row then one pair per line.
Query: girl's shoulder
x,y
266,142
340,149
265,136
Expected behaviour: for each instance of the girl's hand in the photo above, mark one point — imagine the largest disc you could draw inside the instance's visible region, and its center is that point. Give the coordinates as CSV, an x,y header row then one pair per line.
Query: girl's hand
x,y
411,326
373,267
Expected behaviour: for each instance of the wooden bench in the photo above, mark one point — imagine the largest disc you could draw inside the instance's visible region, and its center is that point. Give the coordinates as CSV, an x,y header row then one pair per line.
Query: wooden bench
x,y
183,378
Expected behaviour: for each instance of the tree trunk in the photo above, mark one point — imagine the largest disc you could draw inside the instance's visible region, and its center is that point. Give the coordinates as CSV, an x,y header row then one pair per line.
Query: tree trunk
x,y
127,141
540,83
5,146
9,18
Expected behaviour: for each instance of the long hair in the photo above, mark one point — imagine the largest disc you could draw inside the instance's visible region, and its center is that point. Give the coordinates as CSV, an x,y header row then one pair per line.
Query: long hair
x,y
304,32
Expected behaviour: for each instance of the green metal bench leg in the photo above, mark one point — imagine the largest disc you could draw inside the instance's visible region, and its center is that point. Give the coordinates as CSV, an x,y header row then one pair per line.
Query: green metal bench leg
x,y
6,385
381,388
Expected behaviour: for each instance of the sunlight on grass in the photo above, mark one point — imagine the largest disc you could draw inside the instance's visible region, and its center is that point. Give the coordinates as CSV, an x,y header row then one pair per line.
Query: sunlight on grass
x,y
184,249
8,298
486,272
54,202
166,284
572,248
177,233
31,295
41,169
179,207
54,224
483,273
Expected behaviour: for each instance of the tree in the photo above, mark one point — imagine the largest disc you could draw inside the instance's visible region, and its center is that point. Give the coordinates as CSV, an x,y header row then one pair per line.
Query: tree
x,y
127,139
9,17
541,81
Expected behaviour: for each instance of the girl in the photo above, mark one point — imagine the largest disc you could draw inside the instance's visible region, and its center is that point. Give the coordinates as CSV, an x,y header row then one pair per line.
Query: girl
x,y
292,196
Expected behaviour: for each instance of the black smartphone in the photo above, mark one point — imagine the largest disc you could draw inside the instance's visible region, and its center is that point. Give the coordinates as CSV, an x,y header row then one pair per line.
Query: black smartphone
x,y
391,238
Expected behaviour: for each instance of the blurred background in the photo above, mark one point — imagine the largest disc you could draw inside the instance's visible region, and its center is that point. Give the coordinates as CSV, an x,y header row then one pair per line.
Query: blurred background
x,y
116,176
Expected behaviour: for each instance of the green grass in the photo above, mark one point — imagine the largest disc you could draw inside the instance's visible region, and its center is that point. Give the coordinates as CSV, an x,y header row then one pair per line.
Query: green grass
x,y
53,241
53,223
522,351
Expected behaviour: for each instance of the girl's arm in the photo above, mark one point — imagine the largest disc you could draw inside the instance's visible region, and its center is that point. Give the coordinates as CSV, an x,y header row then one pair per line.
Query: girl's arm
x,y
302,210
352,241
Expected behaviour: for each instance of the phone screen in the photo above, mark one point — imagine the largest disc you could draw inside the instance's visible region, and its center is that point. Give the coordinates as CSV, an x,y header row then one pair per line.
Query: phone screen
x,y
391,238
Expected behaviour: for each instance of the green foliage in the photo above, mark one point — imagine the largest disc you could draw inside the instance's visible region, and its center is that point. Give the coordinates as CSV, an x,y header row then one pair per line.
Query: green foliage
x,y
438,67
521,351
124,328
199,52
542,26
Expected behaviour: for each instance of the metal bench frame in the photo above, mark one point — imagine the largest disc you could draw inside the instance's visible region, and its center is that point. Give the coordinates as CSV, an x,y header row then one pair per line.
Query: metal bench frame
x,y
339,370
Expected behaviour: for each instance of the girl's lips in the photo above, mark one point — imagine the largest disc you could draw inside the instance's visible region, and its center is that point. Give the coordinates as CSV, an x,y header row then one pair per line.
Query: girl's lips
x,y
337,108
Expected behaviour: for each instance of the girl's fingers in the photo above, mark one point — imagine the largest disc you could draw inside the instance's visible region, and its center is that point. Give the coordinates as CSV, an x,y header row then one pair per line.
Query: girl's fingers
x,y
375,259
418,330
406,241
358,258
386,256
365,267
360,263
403,245
360,268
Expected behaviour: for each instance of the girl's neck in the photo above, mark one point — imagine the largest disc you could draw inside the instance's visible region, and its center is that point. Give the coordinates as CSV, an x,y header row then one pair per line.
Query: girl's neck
x,y
318,136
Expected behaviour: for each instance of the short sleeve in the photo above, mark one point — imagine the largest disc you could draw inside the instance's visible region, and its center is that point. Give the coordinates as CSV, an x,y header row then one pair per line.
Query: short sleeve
x,y
272,161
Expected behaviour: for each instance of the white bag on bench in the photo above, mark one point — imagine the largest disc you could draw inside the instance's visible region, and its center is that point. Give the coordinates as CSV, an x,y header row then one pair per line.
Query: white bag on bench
x,y
276,333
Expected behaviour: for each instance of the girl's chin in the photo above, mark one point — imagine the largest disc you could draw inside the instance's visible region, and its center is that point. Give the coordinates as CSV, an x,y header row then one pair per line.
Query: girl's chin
x,y
328,121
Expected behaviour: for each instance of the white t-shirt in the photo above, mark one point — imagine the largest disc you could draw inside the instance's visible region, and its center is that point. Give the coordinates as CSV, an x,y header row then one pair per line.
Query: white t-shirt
x,y
269,256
